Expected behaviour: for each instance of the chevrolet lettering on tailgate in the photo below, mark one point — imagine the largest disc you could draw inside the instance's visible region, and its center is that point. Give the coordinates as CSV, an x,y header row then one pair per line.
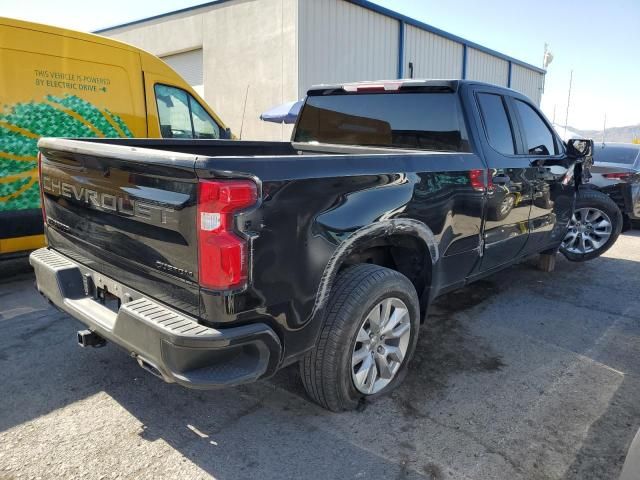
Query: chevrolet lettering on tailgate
x,y
108,202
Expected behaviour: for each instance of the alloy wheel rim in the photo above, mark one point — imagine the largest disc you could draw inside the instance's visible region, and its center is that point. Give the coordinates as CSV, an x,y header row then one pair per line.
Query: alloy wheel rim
x,y
381,345
507,203
589,230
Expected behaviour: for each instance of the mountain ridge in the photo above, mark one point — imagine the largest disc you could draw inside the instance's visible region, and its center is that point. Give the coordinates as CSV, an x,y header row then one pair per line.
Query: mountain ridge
x,y
612,134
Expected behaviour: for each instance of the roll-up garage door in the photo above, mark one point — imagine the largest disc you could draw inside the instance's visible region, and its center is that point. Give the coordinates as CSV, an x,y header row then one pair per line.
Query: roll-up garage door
x,y
189,66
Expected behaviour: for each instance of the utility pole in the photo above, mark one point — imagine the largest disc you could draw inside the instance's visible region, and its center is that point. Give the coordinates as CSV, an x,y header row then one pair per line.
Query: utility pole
x,y
604,127
566,118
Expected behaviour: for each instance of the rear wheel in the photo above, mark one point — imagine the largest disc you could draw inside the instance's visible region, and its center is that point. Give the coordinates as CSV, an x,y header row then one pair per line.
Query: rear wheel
x,y
594,227
368,337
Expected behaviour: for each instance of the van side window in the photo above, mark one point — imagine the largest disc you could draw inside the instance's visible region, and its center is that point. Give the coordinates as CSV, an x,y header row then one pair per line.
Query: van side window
x,y
538,136
203,124
181,116
496,123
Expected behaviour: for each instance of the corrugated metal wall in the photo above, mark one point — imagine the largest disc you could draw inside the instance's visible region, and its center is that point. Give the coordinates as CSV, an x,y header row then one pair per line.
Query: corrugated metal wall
x,y
257,54
339,41
432,56
487,68
342,42
527,81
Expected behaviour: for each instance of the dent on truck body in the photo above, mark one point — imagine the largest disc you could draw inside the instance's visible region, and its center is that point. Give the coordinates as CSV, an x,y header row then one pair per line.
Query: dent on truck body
x,y
362,237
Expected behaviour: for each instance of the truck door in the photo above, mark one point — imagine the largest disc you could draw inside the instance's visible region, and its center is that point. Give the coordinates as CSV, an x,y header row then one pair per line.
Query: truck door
x,y
551,200
508,199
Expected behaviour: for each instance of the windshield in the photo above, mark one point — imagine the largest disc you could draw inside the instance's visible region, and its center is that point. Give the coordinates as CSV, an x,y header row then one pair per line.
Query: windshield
x,y
616,154
425,121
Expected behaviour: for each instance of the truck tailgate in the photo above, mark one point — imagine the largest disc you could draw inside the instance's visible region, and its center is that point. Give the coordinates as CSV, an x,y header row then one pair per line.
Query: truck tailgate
x,y
128,213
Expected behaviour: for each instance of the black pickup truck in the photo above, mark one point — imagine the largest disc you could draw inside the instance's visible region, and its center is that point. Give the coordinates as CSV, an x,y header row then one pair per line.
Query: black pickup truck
x,y
218,262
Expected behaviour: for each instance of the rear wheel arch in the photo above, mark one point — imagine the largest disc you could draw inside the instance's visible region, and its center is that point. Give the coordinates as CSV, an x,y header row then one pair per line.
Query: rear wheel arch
x,y
404,245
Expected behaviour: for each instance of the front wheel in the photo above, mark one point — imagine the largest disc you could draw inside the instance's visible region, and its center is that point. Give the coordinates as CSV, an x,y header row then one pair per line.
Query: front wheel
x,y
594,227
369,335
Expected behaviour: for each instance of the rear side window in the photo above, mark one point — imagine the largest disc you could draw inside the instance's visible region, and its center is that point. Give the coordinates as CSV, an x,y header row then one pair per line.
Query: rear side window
x,y
539,139
496,123
424,121
181,116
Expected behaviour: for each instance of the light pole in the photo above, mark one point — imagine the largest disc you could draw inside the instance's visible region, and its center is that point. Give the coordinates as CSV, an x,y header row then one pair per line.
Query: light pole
x,y
566,118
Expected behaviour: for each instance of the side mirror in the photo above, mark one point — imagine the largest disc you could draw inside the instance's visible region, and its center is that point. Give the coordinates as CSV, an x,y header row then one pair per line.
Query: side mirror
x,y
579,147
581,150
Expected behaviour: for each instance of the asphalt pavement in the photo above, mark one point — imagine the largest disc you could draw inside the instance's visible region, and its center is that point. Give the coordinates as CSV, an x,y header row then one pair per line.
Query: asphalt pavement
x,y
523,375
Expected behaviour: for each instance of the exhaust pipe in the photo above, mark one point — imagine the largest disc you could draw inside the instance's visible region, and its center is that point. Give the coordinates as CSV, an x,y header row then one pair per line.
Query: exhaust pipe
x,y
87,338
150,367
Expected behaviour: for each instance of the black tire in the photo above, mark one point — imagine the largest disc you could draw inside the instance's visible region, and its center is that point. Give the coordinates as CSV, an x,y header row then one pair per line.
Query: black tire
x,y
326,370
592,198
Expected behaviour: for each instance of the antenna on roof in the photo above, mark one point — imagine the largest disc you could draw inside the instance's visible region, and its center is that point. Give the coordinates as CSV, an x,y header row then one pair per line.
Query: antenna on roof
x,y
244,109
604,127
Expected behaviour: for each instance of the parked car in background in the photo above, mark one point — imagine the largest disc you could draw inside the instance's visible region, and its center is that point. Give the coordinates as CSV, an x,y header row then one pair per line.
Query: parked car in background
x,y
616,172
56,82
215,263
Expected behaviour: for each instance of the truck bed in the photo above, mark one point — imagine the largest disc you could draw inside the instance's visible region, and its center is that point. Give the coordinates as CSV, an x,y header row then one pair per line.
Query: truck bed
x,y
301,193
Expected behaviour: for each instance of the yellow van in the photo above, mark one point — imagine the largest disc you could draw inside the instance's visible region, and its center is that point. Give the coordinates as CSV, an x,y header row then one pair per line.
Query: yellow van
x,y
61,83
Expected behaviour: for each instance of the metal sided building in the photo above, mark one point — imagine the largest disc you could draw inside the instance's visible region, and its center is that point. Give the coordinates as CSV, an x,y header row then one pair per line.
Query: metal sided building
x,y
246,56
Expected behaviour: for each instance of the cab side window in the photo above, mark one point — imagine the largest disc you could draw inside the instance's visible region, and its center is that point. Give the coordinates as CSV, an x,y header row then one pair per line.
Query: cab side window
x,y
181,116
496,123
539,139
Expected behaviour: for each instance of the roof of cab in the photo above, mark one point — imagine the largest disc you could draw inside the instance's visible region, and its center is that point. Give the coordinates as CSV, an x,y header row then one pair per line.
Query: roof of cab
x,y
395,85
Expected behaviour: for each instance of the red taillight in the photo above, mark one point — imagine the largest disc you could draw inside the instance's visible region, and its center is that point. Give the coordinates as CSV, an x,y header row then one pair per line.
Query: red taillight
x,y
44,214
222,253
476,178
617,175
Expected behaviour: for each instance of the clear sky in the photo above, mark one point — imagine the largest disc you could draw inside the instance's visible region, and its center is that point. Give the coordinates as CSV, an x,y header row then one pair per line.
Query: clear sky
x,y
598,39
